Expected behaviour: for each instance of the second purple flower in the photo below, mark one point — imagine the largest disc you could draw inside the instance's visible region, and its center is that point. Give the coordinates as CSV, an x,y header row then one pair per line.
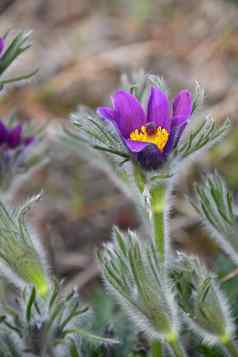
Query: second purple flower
x,y
12,138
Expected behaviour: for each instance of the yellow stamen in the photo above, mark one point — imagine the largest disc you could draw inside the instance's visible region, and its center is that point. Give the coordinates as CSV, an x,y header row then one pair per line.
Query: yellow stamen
x,y
159,136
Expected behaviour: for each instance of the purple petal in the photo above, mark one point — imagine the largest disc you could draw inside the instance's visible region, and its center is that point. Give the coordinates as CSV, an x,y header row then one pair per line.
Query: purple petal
x,y
170,143
178,120
158,108
128,112
2,44
179,123
14,137
175,135
3,133
182,106
106,113
135,146
179,131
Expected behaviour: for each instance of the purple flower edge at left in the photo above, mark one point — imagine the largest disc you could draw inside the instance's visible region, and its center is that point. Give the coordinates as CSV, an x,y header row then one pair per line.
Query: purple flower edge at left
x,y
12,138
2,45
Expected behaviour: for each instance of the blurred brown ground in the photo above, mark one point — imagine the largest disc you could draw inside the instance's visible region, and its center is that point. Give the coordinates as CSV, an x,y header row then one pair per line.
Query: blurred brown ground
x,y
81,48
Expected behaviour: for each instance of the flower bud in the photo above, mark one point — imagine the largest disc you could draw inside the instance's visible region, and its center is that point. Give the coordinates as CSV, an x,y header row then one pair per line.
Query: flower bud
x,y
134,275
21,255
206,309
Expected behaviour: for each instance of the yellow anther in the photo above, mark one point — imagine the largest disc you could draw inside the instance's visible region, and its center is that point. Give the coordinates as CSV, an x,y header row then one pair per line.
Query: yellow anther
x,y
143,129
159,137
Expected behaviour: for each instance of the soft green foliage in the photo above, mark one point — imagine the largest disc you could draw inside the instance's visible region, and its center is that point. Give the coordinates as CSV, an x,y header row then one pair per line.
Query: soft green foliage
x,y
21,256
16,48
215,204
206,309
135,276
91,129
206,135
42,321
41,327
112,320
92,141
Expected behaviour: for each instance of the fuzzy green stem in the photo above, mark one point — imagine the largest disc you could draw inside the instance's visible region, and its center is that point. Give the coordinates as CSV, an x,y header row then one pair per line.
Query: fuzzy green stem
x,y
231,348
177,348
158,206
156,349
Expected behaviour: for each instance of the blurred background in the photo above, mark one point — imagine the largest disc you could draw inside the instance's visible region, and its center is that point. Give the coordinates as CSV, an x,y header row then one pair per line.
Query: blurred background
x,y
81,48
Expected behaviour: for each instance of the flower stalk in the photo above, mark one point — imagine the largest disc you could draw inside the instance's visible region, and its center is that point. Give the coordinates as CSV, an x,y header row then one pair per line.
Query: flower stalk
x,y
174,344
156,349
231,348
177,348
158,208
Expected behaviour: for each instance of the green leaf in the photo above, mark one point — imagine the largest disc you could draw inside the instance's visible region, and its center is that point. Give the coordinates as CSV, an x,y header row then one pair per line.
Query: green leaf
x,y
73,350
22,77
89,336
30,303
205,135
215,204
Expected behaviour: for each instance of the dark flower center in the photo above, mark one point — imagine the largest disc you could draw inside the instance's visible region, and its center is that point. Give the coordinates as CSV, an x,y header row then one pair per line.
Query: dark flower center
x,y
151,128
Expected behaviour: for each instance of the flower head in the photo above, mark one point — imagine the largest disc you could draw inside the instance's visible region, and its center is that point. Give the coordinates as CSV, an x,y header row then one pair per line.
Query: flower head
x,y
149,136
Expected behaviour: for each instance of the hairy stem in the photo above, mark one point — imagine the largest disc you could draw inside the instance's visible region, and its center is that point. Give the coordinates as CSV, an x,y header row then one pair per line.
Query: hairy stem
x,y
158,206
231,348
156,349
177,348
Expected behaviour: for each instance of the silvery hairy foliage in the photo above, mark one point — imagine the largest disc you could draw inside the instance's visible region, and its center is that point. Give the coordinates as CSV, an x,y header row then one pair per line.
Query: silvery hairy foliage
x,y
37,318
21,256
54,326
136,278
206,309
44,319
98,143
214,202
10,50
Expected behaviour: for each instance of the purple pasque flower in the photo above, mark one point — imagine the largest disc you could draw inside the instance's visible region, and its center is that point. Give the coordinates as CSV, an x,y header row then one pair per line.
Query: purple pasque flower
x,y
150,136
